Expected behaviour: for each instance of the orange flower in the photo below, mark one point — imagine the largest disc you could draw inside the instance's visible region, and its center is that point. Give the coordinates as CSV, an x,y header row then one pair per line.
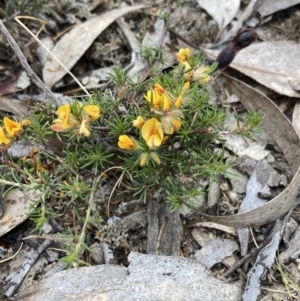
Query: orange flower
x,y
12,128
152,133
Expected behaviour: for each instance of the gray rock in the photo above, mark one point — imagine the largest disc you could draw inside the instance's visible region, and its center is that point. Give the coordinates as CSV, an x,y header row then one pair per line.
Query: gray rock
x,y
148,278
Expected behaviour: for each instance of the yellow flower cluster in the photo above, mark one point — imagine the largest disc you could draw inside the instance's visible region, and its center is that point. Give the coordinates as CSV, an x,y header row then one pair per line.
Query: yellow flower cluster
x,y
167,107
10,131
199,74
66,121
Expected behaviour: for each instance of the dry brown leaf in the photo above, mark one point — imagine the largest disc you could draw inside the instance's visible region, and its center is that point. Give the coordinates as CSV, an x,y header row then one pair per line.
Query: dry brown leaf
x,y
73,44
281,130
222,12
16,205
257,183
215,251
296,118
264,261
19,83
223,228
271,6
18,107
275,65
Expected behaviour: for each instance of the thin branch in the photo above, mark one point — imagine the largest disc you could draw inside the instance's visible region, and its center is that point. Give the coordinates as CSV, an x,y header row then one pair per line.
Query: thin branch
x,y
35,79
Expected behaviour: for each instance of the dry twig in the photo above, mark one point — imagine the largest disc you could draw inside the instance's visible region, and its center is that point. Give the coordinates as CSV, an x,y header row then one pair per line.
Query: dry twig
x,y
36,80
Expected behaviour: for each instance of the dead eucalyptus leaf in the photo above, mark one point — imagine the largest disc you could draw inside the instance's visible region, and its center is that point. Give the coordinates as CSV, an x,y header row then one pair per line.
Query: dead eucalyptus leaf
x,y
16,205
23,148
222,12
296,118
263,261
229,230
215,251
246,147
272,6
294,247
275,65
257,183
19,83
281,130
97,78
18,107
74,43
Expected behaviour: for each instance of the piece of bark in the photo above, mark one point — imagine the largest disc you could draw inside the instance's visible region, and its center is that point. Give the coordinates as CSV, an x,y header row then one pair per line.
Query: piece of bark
x,y
171,238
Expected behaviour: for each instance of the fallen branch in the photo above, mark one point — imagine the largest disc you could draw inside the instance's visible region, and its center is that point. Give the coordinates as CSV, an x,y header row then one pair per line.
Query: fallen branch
x,y
35,79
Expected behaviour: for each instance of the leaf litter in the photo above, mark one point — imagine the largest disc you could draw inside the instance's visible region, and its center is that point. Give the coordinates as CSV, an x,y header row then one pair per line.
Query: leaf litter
x,y
282,85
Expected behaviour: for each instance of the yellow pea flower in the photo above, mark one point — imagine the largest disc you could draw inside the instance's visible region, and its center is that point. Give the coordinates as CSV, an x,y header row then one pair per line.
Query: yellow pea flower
x,y
160,90
60,126
3,138
65,119
170,122
176,124
125,142
92,111
12,128
185,87
139,122
63,112
178,102
153,97
56,127
166,103
154,156
183,55
201,75
26,122
84,129
144,158
170,125
152,133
